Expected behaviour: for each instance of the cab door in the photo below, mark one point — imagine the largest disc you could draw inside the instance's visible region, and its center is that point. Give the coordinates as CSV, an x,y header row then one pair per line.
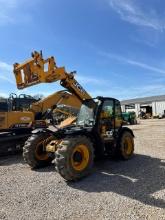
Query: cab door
x,y
107,119
118,115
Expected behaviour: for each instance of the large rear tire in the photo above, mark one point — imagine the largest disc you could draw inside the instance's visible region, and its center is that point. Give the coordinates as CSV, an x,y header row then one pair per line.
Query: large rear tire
x,y
33,152
125,148
74,157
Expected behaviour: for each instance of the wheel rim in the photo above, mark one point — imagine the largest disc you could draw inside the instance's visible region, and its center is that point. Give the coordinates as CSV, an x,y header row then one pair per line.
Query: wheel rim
x,y
128,145
40,154
80,157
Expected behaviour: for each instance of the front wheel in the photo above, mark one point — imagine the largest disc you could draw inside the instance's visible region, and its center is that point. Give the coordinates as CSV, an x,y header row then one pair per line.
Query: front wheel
x,y
125,147
74,157
33,150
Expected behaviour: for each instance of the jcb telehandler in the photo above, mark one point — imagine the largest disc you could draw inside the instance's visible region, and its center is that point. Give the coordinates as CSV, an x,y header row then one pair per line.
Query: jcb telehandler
x,y
98,129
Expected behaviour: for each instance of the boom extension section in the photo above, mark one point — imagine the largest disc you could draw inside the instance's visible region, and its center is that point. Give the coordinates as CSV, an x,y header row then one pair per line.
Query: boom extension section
x,y
57,98
38,70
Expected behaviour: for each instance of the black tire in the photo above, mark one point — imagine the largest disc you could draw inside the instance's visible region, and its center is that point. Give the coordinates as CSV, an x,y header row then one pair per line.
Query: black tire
x,y
65,154
125,148
131,121
30,151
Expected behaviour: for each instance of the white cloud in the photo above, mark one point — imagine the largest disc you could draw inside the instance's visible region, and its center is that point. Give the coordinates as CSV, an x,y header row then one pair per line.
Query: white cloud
x,y
5,78
132,62
91,80
5,66
123,93
96,86
6,73
87,81
6,9
150,38
130,11
4,95
9,3
11,11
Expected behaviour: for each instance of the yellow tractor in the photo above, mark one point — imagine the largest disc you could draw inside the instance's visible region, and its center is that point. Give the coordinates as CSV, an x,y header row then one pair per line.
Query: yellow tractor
x,y
98,129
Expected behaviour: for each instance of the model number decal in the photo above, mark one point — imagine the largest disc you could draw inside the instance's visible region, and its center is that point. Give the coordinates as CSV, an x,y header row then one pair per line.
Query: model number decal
x,y
25,118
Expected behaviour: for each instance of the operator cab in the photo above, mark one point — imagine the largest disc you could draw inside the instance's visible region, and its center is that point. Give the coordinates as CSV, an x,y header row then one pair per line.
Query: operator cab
x,y
103,114
3,105
21,102
16,103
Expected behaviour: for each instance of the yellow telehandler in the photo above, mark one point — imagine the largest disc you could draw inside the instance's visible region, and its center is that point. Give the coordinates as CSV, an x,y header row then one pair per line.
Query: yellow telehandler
x,y
98,130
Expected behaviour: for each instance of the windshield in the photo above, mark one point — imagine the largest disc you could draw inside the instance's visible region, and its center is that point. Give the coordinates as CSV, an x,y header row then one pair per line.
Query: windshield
x,y
87,112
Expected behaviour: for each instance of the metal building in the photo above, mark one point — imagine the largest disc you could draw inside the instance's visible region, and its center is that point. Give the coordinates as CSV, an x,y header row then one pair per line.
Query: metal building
x,y
154,105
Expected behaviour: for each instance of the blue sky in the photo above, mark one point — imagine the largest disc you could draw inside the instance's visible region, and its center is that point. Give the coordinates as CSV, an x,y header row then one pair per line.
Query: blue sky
x,y
117,47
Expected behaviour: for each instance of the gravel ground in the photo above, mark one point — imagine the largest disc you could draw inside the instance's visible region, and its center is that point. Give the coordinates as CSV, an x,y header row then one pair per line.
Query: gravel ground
x,y
133,189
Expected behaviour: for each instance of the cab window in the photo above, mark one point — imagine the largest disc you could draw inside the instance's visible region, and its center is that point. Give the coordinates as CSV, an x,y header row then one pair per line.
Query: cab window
x,y
118,110
107,109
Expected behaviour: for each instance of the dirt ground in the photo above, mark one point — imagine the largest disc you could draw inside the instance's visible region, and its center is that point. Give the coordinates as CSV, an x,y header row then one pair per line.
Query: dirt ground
x,y
133,189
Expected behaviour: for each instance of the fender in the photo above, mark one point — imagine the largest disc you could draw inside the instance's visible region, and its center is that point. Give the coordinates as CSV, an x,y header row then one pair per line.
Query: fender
x,y
123,129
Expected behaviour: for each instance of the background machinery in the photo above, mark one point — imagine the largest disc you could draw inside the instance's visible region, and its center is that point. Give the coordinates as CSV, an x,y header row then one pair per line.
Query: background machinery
x,y
19,115
9,109
98,130
18,111
129,118
14,118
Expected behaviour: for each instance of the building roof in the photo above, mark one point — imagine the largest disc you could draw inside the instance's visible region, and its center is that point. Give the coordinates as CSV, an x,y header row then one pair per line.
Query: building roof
x,y
143,100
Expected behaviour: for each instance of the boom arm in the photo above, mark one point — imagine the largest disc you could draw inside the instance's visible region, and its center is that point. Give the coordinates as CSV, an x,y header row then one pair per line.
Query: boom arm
x,y
60,97
34,72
